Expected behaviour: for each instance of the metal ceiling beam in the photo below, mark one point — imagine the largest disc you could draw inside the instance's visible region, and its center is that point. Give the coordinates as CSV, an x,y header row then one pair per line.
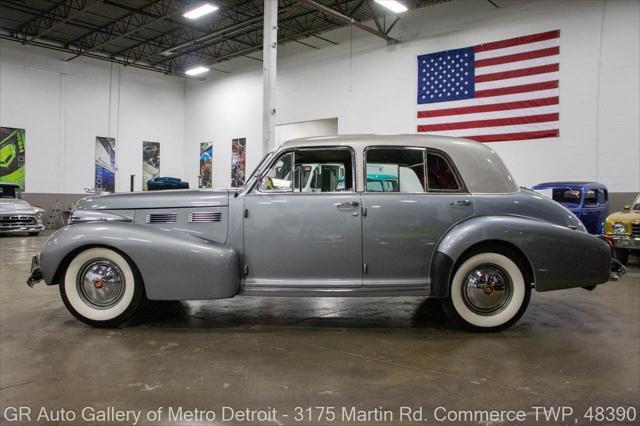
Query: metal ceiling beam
x,y
58,15
347,19
180,38
124,27
61,48
76,22
247,30
250,50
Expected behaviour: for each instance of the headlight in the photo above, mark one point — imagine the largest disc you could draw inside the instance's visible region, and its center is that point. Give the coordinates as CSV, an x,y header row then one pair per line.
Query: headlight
x,y
39,216
619,228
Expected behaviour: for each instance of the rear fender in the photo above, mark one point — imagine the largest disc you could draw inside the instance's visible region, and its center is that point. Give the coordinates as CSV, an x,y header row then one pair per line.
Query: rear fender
x,y
559,257
174,265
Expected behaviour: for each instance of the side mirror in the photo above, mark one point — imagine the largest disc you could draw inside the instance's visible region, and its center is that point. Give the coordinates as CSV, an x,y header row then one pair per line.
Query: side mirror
x,y
627,208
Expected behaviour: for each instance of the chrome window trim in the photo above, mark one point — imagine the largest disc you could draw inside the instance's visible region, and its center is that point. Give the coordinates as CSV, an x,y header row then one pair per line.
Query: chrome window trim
x,y
426,151
256,186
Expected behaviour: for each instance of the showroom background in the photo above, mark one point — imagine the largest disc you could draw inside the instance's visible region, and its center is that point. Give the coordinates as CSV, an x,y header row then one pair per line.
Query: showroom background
x,y
367,86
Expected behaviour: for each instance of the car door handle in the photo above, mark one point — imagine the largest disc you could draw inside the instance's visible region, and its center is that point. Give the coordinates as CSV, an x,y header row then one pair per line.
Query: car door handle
x,y
347,204
460,203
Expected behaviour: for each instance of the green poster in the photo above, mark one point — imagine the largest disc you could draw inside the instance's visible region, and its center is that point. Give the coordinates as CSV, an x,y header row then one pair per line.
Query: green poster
x,y
12,155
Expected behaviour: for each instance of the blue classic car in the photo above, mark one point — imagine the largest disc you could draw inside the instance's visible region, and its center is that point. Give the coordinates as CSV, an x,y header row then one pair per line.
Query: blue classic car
x,y
589,201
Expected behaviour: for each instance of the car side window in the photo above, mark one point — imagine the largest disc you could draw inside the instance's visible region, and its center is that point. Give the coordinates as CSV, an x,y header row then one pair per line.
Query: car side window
x,y
603,196
440,174
590,198
311,170
395,170
279,177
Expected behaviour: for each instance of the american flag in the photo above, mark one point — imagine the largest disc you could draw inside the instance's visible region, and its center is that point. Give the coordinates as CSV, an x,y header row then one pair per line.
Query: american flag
x,y
501,91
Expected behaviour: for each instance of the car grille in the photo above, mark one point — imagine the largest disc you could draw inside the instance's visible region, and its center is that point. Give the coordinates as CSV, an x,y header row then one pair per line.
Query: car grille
x,y
16,221
162,218
204,217
635,229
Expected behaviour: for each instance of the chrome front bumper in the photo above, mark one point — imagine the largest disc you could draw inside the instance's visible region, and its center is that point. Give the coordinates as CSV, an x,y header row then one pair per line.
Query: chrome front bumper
x,y
36,274
22,229
626,242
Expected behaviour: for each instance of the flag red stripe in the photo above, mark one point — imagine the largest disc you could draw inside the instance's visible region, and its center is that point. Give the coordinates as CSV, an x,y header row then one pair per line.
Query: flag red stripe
x,y
517,41
553,133
542,69
511,121
549,51
532,103
533,87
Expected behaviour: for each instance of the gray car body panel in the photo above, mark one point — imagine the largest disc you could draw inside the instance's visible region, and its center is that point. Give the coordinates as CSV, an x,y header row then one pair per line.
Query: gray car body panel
x,y
173,265
304,244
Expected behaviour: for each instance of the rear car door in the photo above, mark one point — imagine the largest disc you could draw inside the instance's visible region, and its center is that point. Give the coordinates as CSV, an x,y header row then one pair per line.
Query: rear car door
x,y
412,195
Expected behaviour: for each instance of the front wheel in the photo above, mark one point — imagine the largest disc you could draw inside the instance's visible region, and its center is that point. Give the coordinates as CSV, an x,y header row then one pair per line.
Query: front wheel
x,y
488,293
102,288
622,255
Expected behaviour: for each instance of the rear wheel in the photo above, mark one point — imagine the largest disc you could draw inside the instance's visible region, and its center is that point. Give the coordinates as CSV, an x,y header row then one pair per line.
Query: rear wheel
x,y
102,288
488,293
622,255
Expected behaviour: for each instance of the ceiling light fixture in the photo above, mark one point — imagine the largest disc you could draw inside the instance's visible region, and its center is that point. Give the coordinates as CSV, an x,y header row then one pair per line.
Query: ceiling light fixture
x,y
393,5
197,70
200,11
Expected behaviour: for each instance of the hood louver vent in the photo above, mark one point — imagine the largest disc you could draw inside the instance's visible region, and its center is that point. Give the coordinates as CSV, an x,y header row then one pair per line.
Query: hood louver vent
x,y
162,218
205,217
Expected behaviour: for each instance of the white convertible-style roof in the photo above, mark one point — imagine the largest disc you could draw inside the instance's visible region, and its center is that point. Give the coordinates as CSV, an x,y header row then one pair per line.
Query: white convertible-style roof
x,y
481,168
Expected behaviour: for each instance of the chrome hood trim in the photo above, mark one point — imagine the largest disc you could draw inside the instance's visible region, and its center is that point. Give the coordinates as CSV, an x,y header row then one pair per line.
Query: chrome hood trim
x,y
179,198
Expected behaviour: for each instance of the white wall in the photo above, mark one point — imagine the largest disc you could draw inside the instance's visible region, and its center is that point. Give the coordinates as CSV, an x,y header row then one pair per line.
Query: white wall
x,y
64,106
375,91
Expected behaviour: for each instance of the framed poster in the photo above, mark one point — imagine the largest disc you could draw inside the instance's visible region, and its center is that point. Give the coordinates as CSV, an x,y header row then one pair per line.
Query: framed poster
x,y
12,155
238,158
206,164
105,164
150,162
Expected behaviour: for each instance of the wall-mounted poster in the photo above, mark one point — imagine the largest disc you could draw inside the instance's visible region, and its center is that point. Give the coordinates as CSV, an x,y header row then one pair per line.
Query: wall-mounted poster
x,y
150,162
12,159
105,164
238,157
206,164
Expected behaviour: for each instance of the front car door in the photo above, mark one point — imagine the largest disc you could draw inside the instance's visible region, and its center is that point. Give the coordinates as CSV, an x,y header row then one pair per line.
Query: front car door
x,y
302,226
412,196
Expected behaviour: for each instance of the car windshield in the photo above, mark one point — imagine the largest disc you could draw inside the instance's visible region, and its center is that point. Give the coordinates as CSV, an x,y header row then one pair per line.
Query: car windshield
x,y
565,195
258,167
10,191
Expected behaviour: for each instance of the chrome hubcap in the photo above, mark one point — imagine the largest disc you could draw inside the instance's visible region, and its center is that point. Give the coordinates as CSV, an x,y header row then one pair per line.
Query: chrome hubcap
x,y
101,283
487,289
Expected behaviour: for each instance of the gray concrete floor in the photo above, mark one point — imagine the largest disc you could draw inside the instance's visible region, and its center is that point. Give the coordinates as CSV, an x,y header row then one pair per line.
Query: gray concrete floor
x,y
573,348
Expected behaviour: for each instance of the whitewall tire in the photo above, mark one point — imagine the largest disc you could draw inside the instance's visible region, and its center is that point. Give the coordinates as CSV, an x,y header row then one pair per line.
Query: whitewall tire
x,y
488,293
101,287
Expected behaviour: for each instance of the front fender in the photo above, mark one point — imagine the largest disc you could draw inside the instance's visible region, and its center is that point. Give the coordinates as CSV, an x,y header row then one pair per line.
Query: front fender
x,y
174,265
560,257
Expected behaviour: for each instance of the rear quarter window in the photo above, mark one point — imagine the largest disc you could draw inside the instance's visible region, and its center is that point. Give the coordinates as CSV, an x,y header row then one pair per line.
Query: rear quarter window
x,y
440,174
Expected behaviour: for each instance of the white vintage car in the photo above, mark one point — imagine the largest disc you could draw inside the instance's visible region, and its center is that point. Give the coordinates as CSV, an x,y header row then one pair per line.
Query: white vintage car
x,y
17,215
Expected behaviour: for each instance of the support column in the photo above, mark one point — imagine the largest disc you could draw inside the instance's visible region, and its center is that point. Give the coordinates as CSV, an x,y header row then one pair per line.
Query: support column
x,y
269,67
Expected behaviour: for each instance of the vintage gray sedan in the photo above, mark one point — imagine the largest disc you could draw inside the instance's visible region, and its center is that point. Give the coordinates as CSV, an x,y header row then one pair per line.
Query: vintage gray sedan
x,y
333,216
